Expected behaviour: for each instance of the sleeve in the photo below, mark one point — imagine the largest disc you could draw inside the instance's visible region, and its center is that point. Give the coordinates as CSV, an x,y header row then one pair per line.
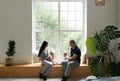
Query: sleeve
x,y
77,52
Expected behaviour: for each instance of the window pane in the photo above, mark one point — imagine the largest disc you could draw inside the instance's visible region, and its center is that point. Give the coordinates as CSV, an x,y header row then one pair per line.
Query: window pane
x,y
71,36
64,15
46,5
63,25
79,6
78,38
71,25
39,25
79,25
51,37
39,6
48,20
71,16
54,6
63,6
71,6
79,15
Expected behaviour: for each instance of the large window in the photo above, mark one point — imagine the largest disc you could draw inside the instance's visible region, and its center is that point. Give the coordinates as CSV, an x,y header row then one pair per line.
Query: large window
x,y
58,21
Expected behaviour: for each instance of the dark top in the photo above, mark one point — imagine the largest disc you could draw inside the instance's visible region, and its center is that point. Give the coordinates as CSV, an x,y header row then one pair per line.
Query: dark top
x,y
76,51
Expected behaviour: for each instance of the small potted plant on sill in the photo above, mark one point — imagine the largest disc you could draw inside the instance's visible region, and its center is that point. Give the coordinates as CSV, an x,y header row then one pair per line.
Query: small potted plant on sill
x,y
10,52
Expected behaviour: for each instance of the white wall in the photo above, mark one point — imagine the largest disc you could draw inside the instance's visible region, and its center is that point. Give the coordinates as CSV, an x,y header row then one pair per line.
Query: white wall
x,y
118,13
99,17
16,24
118,23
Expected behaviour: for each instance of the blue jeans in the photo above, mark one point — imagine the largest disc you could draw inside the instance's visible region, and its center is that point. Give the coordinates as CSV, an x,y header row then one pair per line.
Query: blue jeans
x,y
68,66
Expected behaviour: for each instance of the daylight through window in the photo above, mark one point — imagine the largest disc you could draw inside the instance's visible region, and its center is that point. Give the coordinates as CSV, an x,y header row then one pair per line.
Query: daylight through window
x,y
58,22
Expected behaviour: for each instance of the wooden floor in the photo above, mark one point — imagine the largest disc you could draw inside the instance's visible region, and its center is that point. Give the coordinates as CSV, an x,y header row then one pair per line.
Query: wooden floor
x,y
32,70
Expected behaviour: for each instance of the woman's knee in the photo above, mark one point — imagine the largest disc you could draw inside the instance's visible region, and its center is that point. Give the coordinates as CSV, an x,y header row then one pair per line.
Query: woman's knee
x,y
62,63
50,64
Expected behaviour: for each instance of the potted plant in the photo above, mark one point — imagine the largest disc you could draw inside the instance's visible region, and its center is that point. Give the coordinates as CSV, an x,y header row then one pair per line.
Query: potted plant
x,y
100,42
114,67
10,52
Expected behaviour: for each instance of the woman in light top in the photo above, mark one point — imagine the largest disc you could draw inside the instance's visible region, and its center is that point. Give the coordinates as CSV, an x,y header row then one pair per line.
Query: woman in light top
x,y
46,57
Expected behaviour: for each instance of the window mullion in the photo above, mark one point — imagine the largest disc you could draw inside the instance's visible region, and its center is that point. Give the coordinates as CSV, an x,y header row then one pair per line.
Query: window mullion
x,y
59,37
83,25
34,27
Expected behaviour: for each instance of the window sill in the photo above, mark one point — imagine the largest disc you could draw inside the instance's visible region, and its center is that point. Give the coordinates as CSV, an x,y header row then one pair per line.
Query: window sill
x,y
32,70
34,65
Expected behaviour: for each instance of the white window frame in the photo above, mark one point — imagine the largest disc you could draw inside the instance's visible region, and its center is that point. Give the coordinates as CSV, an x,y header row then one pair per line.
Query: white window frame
x,y
84,31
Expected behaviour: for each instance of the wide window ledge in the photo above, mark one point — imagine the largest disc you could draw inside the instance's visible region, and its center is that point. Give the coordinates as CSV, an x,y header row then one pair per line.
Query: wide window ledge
x,y
33,65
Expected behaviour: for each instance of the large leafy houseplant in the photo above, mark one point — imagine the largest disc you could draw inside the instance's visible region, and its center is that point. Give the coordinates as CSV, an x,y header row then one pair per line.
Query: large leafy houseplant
x,y
114,69
101,42
97,65
10,52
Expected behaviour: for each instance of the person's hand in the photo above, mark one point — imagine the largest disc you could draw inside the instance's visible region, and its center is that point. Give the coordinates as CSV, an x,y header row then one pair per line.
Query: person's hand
x,y
47,57
52,53
66,58
54,63
41,59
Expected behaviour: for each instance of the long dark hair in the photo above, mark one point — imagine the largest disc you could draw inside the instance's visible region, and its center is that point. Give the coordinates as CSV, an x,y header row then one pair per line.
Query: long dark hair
x,y
43,46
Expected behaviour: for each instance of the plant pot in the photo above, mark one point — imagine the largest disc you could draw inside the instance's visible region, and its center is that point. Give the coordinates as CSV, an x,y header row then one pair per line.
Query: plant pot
x,y
9,62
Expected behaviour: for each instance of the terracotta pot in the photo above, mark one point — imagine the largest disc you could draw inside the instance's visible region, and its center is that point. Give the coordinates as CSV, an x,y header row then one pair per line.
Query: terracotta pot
x,y
8,62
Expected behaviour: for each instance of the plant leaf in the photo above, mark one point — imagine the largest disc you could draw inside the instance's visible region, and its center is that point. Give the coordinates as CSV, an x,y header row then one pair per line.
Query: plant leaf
x,y
97,67
90,43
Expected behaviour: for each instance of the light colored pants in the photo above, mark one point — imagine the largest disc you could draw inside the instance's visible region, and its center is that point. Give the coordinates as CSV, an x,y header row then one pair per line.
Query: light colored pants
x,y
68,66
47,67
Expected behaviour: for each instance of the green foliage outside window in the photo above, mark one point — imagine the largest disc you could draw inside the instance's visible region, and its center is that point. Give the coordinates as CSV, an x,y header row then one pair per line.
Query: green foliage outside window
x,y
48,20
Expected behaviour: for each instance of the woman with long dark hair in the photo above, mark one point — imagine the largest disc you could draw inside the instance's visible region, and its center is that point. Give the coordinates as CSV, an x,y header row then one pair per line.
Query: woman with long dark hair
x,y
46,60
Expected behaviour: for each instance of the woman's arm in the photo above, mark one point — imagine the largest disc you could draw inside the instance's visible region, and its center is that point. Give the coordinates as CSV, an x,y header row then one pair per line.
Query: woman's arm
x,y
44,58
52,57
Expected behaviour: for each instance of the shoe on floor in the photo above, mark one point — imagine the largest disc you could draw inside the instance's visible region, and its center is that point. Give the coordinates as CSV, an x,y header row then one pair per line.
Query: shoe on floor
x,y
40,75
64,79
44,78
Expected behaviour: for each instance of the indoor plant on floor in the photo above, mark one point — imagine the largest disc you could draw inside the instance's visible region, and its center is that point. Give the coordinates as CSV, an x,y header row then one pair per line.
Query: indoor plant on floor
x,y
10,52
100,42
